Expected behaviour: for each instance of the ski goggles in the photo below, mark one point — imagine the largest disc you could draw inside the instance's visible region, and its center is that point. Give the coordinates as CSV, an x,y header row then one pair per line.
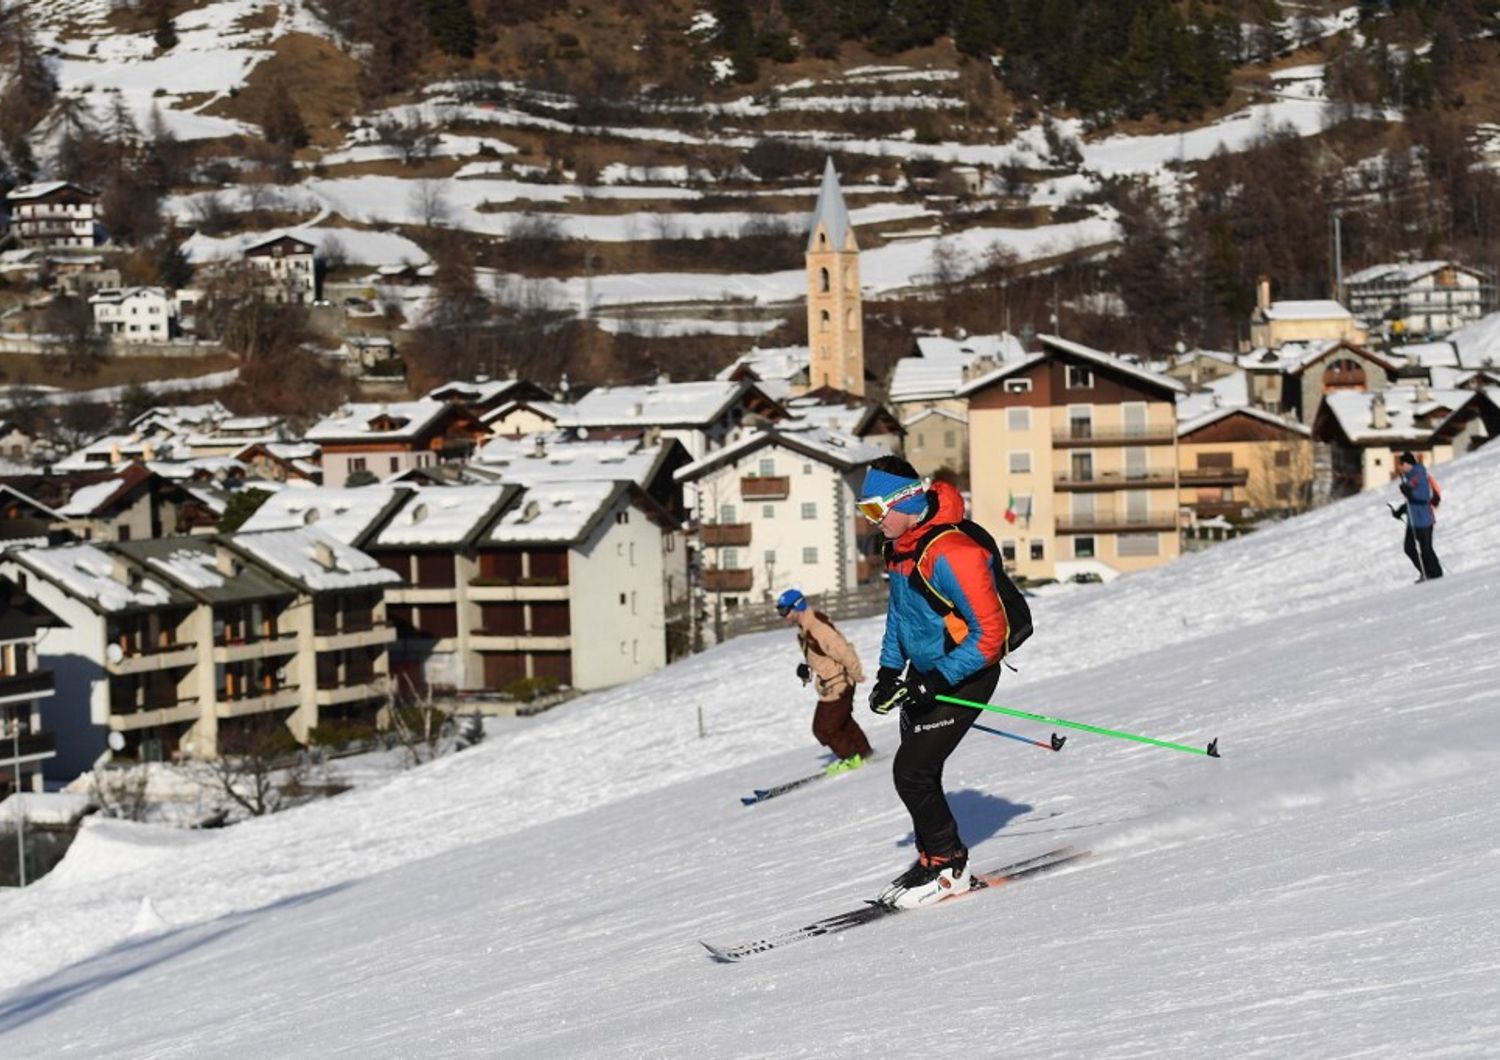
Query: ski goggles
x,y
785,609
875,508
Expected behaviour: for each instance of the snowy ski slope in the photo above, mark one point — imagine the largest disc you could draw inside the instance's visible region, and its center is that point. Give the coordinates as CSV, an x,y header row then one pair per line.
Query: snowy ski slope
x,y
1326,889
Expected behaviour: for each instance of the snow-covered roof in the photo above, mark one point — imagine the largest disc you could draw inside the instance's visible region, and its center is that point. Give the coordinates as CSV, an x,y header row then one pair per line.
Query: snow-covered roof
x,y
480,392
940,369
1099,358
87,499
1312,309
42,190
377,421
1229,391
349,515
1399,272
548,410
696,404
119,295
106,581
216,466
193,564
315,559
553,457
1213,415
559,512
1428,354
276,236
829,211
1295,356
807,411
179,417
442,515
837,448
776,364
1404,405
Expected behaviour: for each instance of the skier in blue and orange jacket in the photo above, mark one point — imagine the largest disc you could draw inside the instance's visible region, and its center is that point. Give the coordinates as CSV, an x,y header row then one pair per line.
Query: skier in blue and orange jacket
x,y
945,633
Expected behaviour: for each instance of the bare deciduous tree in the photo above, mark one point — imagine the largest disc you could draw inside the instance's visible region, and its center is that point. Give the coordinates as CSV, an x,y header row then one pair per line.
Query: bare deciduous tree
x,y
258,759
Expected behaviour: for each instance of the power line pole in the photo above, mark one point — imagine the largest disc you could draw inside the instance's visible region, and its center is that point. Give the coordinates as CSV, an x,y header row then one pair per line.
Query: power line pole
x,y
15,747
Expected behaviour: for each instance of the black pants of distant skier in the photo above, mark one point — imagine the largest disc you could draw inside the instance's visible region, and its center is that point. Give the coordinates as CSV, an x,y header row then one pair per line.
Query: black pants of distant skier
x,y
835,728
926,742
1419,551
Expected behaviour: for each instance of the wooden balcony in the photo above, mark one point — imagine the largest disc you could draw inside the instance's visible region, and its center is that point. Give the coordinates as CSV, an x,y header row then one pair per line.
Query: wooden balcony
x,y
765,488
1215,476
1110,523
1076,437
728,580
1114,480
722,535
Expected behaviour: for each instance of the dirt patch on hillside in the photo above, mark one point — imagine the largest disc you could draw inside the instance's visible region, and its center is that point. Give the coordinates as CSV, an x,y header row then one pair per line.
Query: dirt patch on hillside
x,y
322,81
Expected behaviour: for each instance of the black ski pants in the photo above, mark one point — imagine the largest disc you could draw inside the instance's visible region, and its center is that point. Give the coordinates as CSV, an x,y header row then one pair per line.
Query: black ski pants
x,y
1419,551
927,739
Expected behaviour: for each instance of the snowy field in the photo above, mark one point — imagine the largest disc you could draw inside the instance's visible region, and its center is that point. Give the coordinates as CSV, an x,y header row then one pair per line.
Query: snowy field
x,y
1325,889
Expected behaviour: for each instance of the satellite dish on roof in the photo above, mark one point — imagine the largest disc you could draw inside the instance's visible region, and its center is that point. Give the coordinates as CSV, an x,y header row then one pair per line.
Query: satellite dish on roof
x,y
114,653
116,739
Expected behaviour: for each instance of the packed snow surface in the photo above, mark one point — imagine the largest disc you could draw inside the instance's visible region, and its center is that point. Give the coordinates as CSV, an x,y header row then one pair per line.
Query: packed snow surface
x,y
1325,889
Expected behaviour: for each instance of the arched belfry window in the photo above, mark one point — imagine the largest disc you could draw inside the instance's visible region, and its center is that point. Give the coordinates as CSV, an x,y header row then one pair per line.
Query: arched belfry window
x,y
824,319
823,279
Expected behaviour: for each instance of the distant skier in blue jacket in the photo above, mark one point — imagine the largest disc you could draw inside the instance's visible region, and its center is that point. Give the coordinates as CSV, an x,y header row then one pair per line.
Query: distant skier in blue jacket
x,y
1421,498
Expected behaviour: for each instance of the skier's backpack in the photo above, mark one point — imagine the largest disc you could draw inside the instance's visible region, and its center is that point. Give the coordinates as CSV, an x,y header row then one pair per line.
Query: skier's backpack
x,y
1012,600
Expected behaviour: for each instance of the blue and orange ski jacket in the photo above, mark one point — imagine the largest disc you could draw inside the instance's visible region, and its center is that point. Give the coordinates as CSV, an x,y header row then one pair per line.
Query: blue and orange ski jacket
x,y
957,569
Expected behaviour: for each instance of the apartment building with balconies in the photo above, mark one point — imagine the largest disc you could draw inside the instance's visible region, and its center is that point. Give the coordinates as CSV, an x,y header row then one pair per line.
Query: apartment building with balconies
x,y
26,742
343,657
174,644
290,266
1241,464
53,214
1073,462
777,509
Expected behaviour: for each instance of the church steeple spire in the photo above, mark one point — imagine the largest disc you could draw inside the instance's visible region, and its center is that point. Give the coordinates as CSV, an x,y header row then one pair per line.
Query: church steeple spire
x,y
835,325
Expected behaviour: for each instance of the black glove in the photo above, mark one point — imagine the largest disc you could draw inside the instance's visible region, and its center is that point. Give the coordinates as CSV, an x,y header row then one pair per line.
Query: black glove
x,y
1437,498
917,692
804,671
1398,513
1405,490
922,690
885,687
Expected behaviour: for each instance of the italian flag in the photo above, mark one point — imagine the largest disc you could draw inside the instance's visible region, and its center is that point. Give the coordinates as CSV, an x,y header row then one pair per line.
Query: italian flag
x,y
1010,507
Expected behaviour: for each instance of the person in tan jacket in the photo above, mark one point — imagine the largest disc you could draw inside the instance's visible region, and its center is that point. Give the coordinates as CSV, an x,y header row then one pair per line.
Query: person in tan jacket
x,y
831,665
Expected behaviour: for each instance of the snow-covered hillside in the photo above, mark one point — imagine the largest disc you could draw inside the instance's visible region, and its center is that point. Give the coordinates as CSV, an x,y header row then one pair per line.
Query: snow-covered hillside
x,y
1326,889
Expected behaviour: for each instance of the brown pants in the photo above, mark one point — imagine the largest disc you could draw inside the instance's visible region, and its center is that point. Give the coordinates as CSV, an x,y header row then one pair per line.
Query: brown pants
x,y
835,728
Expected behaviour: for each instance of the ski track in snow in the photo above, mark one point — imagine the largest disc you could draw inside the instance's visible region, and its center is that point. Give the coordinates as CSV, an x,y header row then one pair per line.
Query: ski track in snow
x,y
1324,889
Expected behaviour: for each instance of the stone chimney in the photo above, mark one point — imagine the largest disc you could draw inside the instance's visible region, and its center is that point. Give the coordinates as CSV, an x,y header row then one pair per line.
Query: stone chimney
x,y
538,446
1424,393
323,554
225,562
1378,418
1263,292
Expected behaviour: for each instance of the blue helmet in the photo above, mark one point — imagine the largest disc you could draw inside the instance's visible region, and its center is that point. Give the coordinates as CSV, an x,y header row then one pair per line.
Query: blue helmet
x,y
791,600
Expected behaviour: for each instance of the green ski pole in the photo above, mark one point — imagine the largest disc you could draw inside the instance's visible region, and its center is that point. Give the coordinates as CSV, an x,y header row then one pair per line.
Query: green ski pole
x,y
1212,751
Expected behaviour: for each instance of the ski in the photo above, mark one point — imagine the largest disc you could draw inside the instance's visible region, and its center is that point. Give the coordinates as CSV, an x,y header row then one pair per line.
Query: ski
x,y
762,794
873,911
